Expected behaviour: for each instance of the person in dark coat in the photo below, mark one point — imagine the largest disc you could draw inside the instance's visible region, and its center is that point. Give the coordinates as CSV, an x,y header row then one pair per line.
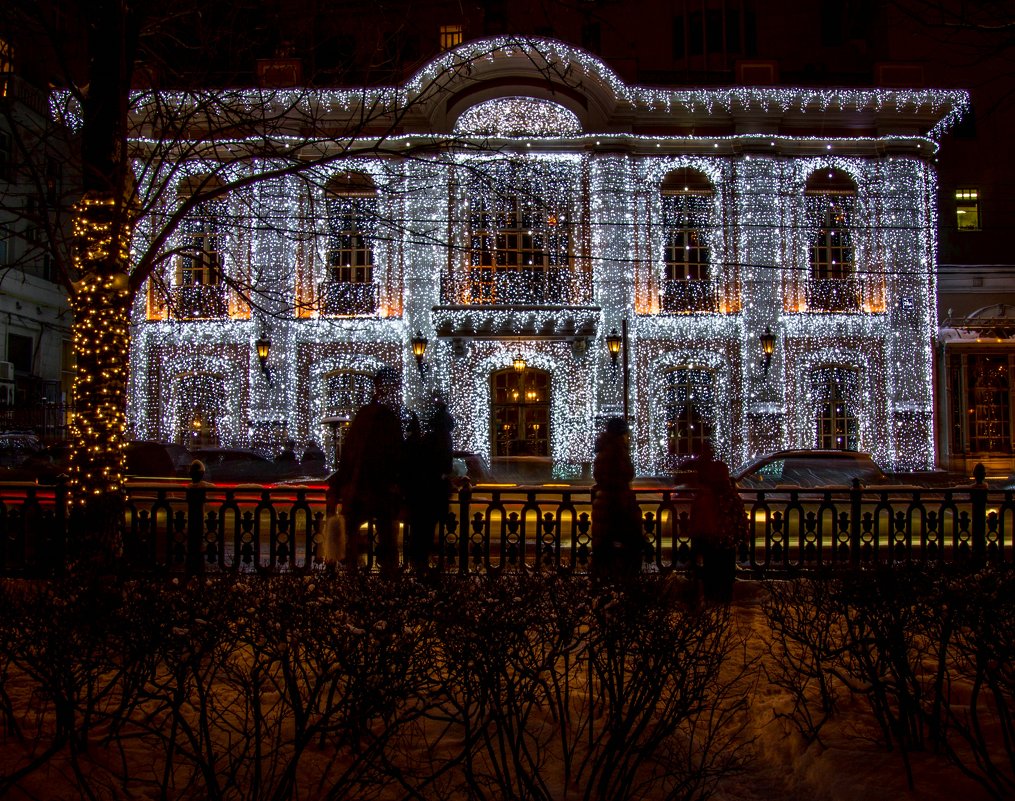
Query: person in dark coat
x,y
618,545
313,460
368,481
718,522
428,458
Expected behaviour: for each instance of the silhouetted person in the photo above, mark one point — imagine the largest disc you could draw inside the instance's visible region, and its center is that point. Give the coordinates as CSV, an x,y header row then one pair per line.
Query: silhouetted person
x,y
428,458
288,453
718,524
285,460
617,542
313,460
369,475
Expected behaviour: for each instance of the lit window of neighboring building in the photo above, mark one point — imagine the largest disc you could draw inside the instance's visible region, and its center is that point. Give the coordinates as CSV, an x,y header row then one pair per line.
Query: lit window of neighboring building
x,y
451,36
967,209
980,400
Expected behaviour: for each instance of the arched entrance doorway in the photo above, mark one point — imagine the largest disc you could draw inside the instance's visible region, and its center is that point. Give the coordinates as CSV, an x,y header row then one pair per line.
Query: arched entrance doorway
x,y
520,413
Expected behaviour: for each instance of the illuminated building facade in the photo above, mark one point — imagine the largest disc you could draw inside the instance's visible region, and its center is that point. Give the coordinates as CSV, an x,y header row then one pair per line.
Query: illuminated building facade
x,y
564,207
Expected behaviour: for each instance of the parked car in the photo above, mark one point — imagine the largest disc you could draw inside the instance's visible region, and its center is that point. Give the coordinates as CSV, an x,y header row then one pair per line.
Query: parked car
x,y
243,466
152,459
16,447
470,465
23,457
810,468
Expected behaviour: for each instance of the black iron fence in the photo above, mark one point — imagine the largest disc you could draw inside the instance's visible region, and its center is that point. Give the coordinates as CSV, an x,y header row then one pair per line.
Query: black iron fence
x,y
194,528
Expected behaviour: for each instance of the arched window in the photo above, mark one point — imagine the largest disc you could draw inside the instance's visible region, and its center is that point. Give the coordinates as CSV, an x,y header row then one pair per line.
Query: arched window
x,y
836,392
348,288
199,290
688,407
830,200
687,198
199,405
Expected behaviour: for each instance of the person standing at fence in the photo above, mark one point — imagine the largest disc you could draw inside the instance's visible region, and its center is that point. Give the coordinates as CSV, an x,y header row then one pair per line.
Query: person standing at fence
x,y
368,481
617,542
428,458
718,522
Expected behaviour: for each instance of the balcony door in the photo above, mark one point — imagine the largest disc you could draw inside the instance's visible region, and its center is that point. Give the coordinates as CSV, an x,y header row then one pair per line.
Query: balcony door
x,y
520,413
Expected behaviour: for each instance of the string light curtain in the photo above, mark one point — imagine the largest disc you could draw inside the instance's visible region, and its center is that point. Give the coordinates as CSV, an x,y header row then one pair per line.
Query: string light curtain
x,y
836,393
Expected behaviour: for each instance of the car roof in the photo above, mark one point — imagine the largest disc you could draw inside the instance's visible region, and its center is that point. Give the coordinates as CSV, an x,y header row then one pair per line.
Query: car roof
x,y
807,453
233,451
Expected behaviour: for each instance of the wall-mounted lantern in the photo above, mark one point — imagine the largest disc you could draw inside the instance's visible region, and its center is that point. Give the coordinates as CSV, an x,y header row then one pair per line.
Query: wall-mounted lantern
x,y
519,364
418,344
263,345
767,346
614,342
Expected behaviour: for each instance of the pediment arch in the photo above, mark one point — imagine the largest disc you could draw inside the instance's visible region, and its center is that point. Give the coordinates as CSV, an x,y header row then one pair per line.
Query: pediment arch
x,y
544,69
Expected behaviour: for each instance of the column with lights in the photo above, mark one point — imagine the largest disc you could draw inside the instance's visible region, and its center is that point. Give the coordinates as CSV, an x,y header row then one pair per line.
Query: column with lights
x,y
612,236
758,247
273,407
425,260
909,251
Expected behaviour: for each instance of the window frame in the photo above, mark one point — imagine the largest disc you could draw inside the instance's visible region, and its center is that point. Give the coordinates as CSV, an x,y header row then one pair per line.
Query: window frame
x,y
833,237
678,235
680,392
530,240
202,256
520,403
963,205
451,35
350,255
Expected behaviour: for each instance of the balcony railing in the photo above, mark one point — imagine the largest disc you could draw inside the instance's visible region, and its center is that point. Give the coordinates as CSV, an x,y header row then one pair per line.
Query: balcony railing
x,y
833,295
521,288
199,302
190,528
347,298
688,296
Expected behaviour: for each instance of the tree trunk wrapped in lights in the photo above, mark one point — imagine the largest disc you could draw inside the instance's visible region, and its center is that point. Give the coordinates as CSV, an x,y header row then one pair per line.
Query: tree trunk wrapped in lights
x,y
100,302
